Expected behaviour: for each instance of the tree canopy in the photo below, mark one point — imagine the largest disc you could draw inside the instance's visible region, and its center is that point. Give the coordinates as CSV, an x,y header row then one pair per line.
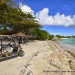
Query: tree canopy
x,y
12,18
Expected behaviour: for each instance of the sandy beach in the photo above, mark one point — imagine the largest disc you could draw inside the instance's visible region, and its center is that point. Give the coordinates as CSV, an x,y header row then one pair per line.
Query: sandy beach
x,y
41,58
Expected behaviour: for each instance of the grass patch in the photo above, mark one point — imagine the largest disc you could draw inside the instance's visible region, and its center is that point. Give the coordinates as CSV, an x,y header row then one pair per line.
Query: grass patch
x,y
72,54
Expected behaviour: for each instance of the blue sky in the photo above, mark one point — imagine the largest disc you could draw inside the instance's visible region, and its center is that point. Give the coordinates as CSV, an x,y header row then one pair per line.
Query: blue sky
x,y
56,16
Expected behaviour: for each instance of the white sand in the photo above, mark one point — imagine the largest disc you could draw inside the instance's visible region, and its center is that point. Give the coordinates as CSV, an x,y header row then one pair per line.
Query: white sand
x,y
41,58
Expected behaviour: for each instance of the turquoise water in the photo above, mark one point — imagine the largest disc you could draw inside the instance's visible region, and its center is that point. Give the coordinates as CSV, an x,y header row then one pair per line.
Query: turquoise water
x,y
70,41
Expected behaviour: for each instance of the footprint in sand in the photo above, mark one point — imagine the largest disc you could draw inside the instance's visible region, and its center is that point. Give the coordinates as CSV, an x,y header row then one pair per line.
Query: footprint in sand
x,y
24,72
30,73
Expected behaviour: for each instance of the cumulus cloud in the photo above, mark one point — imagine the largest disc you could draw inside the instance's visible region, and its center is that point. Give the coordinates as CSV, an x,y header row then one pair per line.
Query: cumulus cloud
x,y
45,19
57,19
25,8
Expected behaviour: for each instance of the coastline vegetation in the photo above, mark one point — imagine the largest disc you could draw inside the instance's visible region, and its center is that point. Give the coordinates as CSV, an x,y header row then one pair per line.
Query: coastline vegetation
x,y
13,20
61,36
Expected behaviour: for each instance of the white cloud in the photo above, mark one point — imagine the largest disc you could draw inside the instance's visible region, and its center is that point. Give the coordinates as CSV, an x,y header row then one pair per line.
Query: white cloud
x,y
25,8
46,19
58,19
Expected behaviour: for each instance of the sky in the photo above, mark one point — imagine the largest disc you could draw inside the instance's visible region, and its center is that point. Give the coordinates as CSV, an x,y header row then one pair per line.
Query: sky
x,y
56,16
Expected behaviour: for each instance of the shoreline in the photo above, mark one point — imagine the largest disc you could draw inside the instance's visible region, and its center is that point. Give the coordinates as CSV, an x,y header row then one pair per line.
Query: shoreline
x,y
66,46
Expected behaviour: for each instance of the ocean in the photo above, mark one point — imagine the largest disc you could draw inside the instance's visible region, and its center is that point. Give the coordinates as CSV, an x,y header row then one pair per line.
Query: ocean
x,y
67,44
69,41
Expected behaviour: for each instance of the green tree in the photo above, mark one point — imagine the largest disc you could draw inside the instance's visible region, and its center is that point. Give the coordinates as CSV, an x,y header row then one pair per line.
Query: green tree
x,y
51,37
12,18
41,34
